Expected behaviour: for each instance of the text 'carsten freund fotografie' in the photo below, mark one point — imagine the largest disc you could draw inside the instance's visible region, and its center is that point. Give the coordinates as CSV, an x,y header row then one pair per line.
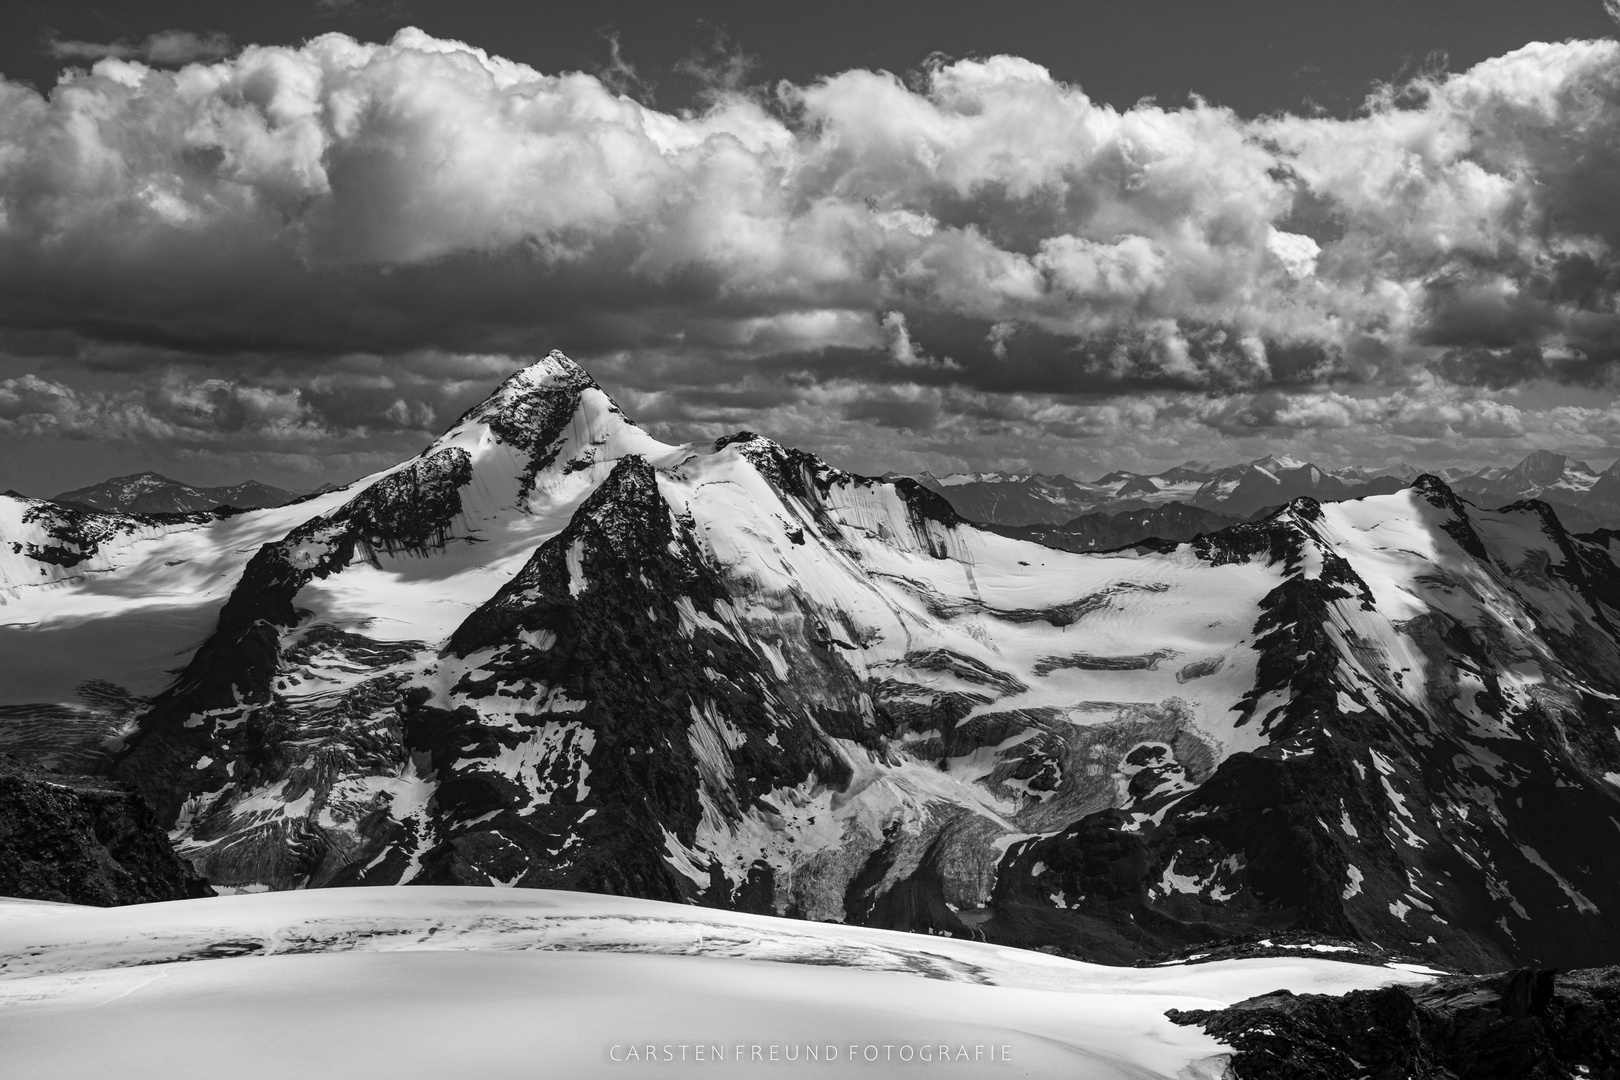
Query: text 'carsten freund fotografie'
x,y
808,1053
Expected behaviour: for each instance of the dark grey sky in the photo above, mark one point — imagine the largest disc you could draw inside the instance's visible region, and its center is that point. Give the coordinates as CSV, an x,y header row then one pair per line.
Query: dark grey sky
x,y
298,262
1250,55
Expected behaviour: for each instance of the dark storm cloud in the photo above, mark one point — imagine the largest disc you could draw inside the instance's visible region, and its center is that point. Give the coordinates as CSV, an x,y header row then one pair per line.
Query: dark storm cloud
x,y
980,249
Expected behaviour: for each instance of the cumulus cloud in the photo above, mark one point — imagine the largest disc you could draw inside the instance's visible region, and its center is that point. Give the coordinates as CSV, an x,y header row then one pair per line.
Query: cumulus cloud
x,y
903,351
425,197
424,193
172,411
166,48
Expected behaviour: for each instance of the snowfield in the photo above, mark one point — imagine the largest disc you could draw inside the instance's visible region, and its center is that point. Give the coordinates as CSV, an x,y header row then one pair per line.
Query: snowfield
x,y
490,983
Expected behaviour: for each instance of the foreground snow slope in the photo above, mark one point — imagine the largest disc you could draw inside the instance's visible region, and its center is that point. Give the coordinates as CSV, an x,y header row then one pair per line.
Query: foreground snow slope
x,y
495,983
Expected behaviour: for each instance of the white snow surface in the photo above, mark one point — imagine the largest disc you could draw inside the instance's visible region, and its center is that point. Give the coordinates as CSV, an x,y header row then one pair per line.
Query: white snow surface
x,y
433,982
885,580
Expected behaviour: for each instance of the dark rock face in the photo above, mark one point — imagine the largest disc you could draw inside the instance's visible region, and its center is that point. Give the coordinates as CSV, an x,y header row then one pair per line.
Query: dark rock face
x,y
592,632
72,535
1602,499
81,841
532,417
410,510
1524,1024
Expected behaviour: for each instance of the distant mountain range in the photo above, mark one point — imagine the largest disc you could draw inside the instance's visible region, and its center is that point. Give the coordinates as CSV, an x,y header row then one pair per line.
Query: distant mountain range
x,y
1059,511
1087,514
1103,531
154,493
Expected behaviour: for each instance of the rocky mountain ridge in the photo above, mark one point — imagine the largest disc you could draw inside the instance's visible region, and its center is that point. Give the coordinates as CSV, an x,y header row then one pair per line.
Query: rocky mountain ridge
x,y
552,651
1584,498
154,493
74,840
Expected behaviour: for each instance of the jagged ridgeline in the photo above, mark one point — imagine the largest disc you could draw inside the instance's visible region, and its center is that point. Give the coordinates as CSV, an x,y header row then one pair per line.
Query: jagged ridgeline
x,y
551,651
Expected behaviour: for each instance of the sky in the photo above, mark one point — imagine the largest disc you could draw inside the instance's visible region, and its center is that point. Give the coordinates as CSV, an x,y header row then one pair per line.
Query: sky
x,y
293,241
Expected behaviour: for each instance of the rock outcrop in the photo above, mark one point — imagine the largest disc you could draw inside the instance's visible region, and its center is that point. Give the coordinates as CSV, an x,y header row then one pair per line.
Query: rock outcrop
x,y
1524,1024
73,839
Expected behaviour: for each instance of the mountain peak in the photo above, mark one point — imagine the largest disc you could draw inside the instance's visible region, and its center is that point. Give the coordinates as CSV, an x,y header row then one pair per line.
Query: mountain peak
x,y
1543,458
1543,467
552,374
533,403
740,437
1542,470
553,371
1273,463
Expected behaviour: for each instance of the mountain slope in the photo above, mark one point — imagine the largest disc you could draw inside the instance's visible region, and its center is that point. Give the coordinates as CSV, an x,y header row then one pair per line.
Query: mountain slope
x,y
1602,499
807,648
99,610
1438,687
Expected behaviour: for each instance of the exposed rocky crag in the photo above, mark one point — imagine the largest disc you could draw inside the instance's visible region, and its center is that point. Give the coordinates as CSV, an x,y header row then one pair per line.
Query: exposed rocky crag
x,y
75,840
1524,1024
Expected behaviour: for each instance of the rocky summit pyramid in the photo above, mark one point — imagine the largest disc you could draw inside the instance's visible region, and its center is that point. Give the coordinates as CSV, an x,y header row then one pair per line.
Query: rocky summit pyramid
x,y
552,651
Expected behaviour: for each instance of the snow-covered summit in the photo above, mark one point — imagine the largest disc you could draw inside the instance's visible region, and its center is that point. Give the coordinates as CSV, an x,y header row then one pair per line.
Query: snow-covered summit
x,y
1275,464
